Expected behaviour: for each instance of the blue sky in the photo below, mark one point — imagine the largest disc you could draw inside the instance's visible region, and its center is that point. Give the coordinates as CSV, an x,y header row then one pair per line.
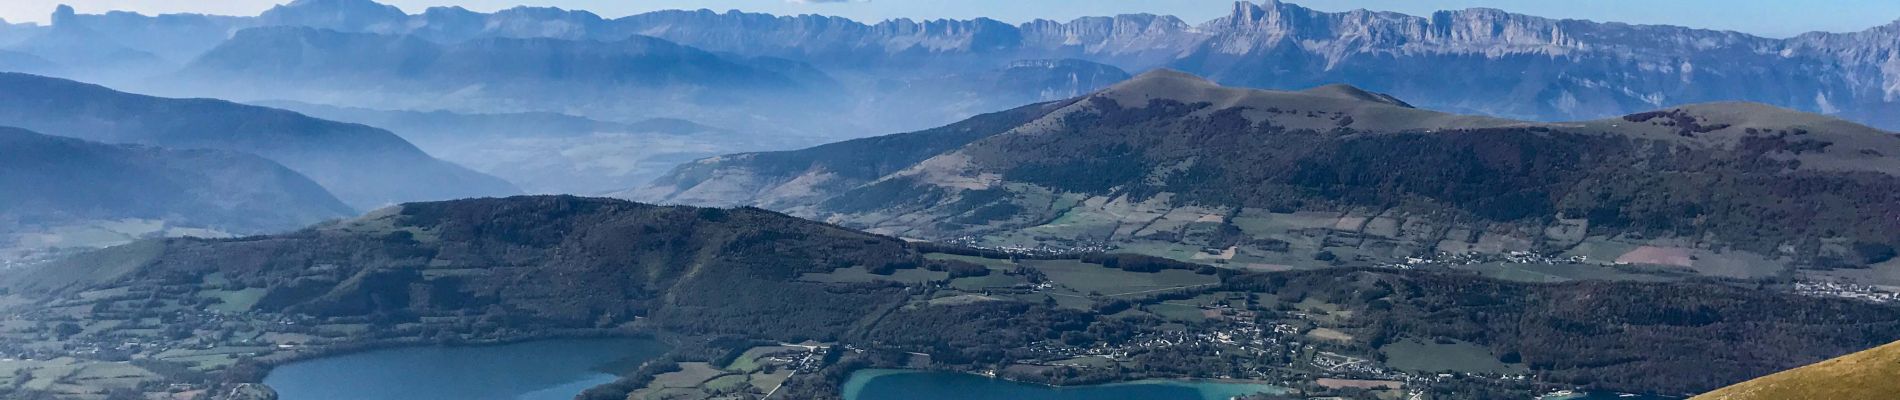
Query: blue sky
x,y
1778,18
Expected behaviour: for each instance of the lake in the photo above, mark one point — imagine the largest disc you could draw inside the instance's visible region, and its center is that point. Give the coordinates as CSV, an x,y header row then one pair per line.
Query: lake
x,y
538,370
886,384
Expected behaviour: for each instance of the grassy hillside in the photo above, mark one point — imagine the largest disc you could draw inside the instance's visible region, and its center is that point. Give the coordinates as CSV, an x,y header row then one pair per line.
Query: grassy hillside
x,y
1170,164
1865,375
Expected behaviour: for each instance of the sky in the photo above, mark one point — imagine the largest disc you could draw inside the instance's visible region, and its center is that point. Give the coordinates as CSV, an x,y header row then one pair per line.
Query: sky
x,y
1774,18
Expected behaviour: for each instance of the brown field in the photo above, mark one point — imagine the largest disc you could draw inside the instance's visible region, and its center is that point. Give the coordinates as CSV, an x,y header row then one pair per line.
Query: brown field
x,y
1330,334
1259,267
1676,256
1358,383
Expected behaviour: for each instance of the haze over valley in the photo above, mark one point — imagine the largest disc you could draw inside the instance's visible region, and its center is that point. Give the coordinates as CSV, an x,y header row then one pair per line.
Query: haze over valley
x,y
346,199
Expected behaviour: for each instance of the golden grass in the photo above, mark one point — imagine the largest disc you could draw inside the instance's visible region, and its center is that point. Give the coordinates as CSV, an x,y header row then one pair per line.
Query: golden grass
x,y
1871,374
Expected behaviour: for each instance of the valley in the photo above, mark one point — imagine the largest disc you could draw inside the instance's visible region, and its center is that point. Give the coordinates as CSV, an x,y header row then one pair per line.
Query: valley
x,y
345,199
201,316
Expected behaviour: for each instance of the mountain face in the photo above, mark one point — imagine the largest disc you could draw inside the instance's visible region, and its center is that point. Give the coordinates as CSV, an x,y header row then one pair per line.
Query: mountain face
x,y
56,186
306,53
345,15
173,38
635,76
1476,61
12,33
1863,375
1165,155
79,51
364,166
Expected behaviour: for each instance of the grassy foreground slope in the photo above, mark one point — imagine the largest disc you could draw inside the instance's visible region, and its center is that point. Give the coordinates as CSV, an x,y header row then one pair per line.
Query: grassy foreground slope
x,y
1865,375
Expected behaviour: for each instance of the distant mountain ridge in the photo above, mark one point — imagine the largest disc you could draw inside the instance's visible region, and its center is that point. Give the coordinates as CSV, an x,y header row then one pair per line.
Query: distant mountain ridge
x,y
55,181
301,53
364,166
553,261
544,152
1471,61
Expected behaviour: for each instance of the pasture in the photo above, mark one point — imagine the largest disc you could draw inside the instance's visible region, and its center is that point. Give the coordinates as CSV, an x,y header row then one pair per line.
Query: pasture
x,y
1436,356
1097,280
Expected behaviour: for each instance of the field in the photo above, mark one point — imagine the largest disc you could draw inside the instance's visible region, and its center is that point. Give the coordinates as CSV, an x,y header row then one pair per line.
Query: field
x,y
992,263
992,281
1329,334
1098,280
1676,254
234,301
72,378
1358,383
691,374
753,373
1553,273
859,274
1177,312
748,361
1430,356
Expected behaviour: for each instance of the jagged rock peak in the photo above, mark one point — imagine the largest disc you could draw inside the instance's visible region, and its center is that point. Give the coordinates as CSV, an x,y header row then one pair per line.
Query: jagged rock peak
x,y
63,14
335,14
338,5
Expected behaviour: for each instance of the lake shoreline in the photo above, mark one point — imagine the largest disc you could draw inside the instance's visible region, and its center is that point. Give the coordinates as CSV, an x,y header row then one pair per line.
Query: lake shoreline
x,y
554,369
343,349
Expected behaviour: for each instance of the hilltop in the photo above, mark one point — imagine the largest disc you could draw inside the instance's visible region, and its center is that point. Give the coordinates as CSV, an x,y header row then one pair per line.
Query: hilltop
x,y
1172,160
1864,375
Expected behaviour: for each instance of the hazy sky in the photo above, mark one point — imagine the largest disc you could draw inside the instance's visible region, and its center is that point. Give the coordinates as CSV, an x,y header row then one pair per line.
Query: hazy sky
x,y
1777,18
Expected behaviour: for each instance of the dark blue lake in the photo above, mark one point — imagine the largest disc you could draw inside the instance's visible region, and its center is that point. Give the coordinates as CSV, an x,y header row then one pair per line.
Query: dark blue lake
x,y
539,370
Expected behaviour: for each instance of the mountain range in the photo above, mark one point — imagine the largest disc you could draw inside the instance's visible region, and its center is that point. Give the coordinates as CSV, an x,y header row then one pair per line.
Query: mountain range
x,y
1466,204
365,167
1480,61
367,69
1168,157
